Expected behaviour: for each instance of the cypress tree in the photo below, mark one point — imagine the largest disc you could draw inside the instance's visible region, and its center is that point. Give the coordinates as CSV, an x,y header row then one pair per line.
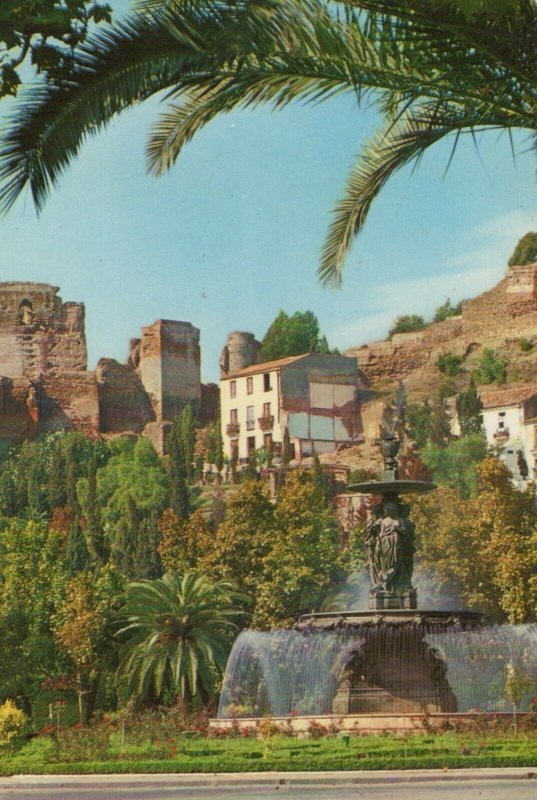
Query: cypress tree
x,y
56,484
94,532
179,494
77,555
440,423
187,436
469,410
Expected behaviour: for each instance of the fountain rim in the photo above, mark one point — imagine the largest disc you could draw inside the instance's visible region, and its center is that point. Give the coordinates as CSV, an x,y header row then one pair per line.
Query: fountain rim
x,y
397,486
394,616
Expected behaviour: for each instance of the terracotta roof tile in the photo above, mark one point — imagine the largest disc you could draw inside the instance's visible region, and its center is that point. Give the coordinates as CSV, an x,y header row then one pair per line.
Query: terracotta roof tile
x,y
265,367
515,396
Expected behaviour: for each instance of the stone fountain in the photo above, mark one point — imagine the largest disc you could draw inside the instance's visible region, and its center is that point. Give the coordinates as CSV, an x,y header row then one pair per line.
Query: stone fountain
x,y
373,668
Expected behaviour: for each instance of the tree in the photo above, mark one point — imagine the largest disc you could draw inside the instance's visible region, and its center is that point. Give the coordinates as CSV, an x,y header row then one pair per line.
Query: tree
x,y
43,32
525,251
484,547
406,324
492,368
455,464
418,422
436,68
447,310
176,633
183,542
179,494
469,410
439,432
292,336
187,437
304,561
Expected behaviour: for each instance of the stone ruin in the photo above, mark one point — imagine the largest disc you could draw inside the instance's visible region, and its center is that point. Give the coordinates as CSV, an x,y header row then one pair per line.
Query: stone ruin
x,y
45,384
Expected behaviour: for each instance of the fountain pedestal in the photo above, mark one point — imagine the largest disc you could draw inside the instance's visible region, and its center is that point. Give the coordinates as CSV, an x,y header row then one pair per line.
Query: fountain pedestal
x,y
382,600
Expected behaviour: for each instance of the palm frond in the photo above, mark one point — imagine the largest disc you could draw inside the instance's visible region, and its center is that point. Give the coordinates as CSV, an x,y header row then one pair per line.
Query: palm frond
x,y
398,144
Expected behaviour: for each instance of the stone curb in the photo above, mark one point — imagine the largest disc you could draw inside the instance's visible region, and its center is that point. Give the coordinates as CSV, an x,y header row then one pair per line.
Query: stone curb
x,y
229,779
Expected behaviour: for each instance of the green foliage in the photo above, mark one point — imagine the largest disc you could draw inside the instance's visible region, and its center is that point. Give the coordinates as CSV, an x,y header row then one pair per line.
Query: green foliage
x,y
469,410
439,430
455,464
43,32
449,364
525,345
293,335
187,436
492,368
525,251
418,420
447,310
406,324
483,547
177,631
179,494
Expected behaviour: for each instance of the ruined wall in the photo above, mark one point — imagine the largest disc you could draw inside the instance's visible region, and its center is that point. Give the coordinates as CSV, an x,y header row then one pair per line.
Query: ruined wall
x,y
170,366
69,401
38,332
240,351
123,402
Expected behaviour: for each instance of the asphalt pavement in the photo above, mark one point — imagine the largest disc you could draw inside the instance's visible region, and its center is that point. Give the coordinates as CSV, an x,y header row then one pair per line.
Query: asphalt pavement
x,y
493,784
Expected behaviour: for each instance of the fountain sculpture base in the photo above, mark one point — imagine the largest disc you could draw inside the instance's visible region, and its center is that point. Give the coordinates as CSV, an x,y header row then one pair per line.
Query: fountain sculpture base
x,y
385,600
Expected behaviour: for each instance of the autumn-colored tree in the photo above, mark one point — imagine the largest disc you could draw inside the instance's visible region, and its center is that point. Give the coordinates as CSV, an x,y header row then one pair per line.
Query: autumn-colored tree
x,y
243,540
484,547
83,631
183,543
304,560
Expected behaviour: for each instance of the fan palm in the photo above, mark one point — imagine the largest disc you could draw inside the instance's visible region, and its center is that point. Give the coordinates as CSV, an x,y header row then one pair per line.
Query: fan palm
x,y
433,71
176,634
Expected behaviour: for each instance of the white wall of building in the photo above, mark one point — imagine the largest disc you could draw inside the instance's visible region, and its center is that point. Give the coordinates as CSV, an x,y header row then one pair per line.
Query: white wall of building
x,y
241,402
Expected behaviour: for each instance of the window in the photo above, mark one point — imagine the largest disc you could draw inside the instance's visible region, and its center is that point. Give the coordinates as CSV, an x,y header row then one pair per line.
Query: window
x,y
250,418
249,385
233,388
267,441
266,409
250,445
233,416
266,382
26,314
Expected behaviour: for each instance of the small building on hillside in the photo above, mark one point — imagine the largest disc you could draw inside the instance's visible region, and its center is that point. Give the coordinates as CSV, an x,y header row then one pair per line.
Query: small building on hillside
x,y
510,423
312,396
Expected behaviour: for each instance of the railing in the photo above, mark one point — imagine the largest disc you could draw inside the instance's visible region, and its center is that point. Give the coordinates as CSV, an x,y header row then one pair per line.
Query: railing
x,y
266,422
233,429
501,433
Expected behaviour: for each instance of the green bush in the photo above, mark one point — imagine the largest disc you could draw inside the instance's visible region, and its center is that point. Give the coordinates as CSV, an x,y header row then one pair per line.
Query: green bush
x,y
449,363
12,722
406,324
492,368
447,310
525,251
525,345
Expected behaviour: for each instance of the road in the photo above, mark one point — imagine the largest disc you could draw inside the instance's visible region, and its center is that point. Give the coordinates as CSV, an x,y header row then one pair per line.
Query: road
x,y
483,789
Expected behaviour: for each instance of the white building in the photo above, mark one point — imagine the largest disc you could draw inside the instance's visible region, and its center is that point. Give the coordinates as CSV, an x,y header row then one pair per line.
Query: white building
x,y
510,422
312,396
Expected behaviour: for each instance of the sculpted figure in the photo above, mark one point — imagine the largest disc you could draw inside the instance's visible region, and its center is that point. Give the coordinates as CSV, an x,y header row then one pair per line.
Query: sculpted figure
x,y
389,546
372,543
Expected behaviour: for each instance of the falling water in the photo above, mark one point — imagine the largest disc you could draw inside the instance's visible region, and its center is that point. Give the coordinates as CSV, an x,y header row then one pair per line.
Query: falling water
x,y
290,672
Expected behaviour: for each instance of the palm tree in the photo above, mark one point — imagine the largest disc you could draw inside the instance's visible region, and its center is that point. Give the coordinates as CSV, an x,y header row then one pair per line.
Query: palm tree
x,y
433,70
176,634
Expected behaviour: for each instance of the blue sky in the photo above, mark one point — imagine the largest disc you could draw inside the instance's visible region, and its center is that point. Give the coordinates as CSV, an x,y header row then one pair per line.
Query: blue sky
x,y
233,233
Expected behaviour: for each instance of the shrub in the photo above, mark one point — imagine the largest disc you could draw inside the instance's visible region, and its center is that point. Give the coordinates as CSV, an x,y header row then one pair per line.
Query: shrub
x,y
525,345
447,310
449,363
406,324
525,251
492,368
12,722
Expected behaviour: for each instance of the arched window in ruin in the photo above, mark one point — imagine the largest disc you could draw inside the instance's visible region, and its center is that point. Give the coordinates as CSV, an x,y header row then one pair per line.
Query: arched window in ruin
x,y
26,313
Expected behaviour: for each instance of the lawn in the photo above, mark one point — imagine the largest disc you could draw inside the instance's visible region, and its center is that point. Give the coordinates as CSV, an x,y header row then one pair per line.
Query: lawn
x,y
80,753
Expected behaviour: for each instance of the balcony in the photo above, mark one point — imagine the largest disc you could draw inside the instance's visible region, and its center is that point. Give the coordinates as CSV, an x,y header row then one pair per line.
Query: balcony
x,y
233,429
266,423
501,435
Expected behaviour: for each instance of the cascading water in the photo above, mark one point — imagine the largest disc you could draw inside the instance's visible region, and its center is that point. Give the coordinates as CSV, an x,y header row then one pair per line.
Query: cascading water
x,y
391,659
408,667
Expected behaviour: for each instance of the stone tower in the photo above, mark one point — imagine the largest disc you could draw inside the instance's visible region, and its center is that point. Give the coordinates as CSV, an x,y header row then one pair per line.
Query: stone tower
x,y
169,366
38,332
240,351
522,289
